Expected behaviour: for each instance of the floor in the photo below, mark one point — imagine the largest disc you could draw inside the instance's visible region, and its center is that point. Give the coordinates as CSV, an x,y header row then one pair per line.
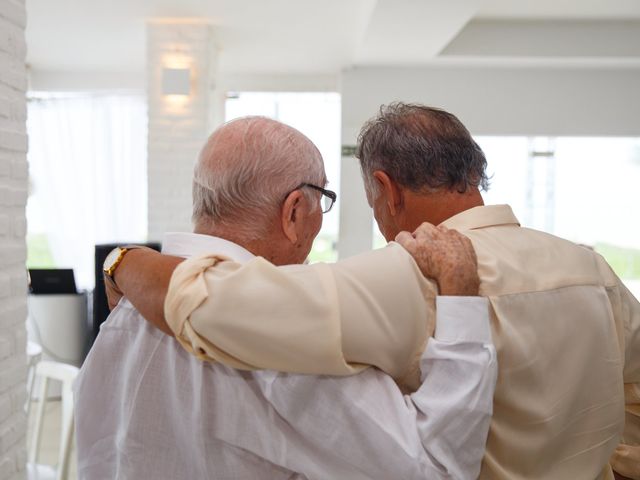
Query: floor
x,y
51,430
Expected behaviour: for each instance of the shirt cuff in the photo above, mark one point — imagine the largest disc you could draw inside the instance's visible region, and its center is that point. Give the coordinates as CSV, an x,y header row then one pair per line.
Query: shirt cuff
x,y
187,291
462,319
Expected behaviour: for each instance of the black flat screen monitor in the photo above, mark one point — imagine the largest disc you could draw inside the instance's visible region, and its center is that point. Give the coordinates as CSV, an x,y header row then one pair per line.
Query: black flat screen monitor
x,y
52,281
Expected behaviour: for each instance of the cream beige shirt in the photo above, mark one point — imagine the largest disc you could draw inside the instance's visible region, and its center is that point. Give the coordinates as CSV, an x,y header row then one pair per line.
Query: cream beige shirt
x,y
566,330
375,309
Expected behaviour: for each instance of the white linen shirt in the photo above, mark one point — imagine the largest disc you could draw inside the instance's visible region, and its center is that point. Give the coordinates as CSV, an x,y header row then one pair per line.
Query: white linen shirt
x,y
146,409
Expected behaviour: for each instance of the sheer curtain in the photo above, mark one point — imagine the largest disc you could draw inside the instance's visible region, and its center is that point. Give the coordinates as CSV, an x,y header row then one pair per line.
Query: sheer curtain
x,y
87,163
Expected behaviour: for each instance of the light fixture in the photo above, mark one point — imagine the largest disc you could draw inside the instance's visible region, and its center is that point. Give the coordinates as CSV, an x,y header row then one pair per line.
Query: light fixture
x,y
176,81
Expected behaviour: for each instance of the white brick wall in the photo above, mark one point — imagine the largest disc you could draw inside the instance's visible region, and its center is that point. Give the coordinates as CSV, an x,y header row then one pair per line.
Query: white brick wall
x,y
177,129
13,196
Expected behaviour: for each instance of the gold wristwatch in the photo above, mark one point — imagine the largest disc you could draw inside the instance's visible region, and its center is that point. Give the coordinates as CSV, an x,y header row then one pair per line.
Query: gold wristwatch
x,y
114,258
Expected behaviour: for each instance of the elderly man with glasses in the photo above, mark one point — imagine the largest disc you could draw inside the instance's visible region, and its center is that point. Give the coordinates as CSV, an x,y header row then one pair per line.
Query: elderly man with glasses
x,y
146,409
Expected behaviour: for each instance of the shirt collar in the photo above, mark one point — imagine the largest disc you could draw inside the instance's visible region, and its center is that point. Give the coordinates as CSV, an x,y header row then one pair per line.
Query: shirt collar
x,y
482,217
193,244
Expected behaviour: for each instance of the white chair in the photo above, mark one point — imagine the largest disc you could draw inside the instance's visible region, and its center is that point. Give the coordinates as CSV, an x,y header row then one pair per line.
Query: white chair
x,y
65,374
34,355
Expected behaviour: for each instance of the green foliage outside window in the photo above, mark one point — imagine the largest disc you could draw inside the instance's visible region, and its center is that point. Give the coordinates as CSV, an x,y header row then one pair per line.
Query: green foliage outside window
x,y
38,251
624,261
324,249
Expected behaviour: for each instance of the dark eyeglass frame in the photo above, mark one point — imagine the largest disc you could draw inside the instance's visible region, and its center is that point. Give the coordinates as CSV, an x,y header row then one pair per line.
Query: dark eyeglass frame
x,y
330,194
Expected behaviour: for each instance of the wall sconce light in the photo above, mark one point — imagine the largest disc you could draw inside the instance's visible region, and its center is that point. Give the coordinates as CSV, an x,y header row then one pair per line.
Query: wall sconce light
x,y
176,81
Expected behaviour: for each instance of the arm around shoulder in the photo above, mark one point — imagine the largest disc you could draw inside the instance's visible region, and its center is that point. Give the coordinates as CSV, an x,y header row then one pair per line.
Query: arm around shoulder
x,y
143,277
372,309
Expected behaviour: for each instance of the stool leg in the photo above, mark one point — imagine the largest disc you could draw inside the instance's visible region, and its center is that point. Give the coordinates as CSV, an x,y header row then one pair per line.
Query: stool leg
x,y
31,381
65,450
67,430
37,431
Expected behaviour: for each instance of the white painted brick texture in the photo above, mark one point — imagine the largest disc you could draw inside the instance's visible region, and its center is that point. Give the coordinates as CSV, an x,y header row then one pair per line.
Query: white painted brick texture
x,y
176,133
13,197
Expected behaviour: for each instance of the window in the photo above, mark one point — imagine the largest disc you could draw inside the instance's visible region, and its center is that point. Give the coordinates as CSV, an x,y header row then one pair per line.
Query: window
x,y
88,182
317,115
581,189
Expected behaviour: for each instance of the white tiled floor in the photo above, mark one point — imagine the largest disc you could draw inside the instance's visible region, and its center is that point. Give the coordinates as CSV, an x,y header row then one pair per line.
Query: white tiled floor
x,y
50,443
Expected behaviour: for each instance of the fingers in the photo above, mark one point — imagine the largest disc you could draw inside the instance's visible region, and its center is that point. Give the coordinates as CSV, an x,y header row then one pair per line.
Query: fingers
x,y
113,303
113,292
407,241
444,255
404,237
464,242
425,232
470,249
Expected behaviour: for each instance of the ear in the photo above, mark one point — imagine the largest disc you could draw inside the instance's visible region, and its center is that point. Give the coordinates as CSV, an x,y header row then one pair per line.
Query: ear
x,y
291,215
390,192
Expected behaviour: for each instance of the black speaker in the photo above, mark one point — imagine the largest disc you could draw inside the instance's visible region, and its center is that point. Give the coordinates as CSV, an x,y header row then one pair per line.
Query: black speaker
x,y
100,304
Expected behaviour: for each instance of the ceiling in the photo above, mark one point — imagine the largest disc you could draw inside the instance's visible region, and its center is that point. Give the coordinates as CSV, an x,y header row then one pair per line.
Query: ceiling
x,y
311,37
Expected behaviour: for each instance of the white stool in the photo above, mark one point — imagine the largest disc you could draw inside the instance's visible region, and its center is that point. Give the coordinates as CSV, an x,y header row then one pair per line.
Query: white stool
x,y
34,355
65,374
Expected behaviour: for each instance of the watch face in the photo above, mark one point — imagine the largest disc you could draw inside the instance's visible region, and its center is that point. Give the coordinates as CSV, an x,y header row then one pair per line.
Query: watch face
x,y
111,258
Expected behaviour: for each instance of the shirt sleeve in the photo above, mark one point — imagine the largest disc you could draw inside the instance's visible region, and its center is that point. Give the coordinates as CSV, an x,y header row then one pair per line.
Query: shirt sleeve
x,y
626,458
373,309
362,427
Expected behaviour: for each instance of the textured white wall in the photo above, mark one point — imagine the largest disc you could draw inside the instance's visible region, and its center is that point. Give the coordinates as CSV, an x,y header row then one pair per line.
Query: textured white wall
x,y
13,197
177,127
503,100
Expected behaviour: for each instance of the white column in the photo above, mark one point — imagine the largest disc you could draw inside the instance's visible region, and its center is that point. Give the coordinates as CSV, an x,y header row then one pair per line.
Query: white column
x,y
13,197
178,124
356,217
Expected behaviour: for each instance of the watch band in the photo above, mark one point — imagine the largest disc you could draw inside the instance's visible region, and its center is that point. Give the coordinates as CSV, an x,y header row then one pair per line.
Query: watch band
x,y
108,272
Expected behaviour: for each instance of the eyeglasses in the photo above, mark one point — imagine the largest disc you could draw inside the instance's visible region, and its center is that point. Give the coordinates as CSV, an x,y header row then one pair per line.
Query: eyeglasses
x,y
328,197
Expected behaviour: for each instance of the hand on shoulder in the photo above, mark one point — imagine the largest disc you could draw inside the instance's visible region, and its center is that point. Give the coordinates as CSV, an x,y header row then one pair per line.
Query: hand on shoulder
x,y
444,255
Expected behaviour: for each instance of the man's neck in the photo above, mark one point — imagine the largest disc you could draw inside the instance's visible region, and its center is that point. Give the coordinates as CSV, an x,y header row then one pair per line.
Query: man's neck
x,y
438,207
261,247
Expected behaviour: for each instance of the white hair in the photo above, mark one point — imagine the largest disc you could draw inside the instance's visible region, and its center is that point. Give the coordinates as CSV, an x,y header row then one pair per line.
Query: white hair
x,y
246,169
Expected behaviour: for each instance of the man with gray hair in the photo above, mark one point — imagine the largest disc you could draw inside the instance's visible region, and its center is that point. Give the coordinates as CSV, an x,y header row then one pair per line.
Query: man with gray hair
x,y
566,329
147,410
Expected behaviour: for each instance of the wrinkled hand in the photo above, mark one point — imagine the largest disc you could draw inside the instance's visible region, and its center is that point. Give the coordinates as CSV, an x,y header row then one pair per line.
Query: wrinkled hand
x,y
114,294
625,460
444,255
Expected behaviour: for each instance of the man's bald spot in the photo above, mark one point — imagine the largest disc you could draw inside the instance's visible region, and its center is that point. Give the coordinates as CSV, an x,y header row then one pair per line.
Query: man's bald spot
x,y
255,139
246,169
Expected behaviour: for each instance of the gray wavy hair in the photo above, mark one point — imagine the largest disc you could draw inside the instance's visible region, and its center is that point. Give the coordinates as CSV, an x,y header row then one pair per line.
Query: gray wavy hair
x,y
422,148
246,169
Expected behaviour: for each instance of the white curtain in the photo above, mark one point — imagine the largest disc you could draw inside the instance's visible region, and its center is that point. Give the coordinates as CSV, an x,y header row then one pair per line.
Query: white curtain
x,y
87,163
